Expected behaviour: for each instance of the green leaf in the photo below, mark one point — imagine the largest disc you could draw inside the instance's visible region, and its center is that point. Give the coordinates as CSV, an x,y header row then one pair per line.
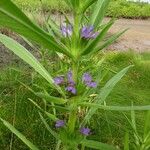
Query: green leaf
x,y
99,12
19,135
48,127
101,35
97,145
105,91
54,26
115,108
50,99
147,124
51,116
126,141
12,17
112,39
86,5
24,54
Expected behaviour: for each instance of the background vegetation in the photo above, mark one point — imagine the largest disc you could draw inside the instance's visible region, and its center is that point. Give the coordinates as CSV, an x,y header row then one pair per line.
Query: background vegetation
x,y
18,110
117,8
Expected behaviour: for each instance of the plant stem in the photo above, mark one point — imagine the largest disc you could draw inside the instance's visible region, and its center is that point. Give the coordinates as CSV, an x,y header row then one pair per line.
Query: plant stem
x,y
58,145
82,147
75,71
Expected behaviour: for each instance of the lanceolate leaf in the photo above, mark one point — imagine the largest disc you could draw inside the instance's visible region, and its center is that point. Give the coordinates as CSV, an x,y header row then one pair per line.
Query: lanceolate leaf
x,y
51,116
116,108
48,127
19,135
112,39
20,51
12,17
99,12
106,90
97,145
49,98
87,4
147,125
94,43
126,141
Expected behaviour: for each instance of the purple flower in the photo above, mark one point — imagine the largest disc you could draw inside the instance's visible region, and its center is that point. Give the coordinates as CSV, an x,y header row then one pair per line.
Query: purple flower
x,y
59,80
70,77
87,79
60,123
87,32
71,89
66,30
91,84
71,84
85,131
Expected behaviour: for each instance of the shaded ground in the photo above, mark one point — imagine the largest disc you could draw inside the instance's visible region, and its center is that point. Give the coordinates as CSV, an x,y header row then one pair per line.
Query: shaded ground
x,y
136,38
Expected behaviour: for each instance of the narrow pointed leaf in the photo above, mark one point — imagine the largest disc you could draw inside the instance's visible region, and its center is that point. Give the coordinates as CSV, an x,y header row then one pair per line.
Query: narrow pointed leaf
x,y
106,90
87,4
111,40
101,35
147,124
19,135
48,127
24,54
116,108
126,141
12,17
99,12
51,116
97,145
50,99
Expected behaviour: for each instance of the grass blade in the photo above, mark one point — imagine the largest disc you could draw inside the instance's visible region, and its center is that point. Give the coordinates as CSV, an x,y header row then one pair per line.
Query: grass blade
x,y
13,18
48,127
110,41
101,35
53,99
97,145
116,108
106,90
19,135
99,12
126,141
24,54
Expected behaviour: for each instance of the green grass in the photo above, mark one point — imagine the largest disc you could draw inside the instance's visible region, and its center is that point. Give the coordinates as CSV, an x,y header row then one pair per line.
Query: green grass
x,y
117,8
15,106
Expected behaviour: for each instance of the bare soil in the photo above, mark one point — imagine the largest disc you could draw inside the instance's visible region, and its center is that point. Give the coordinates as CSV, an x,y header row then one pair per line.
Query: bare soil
x,y
136,38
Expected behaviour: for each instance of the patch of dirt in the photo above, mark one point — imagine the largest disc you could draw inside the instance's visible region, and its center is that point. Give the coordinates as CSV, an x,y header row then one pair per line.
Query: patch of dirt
x,y
136,38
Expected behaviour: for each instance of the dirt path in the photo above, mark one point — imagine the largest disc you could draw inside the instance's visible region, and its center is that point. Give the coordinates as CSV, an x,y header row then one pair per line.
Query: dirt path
x,y
136,38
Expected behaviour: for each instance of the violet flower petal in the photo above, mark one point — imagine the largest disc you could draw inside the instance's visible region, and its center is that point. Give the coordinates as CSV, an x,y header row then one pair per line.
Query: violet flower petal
x,y
60,123
66,30
91,84
58,80
86,77
85,131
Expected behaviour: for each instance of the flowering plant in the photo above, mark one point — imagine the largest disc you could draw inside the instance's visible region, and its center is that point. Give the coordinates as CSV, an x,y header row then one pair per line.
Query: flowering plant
x,y
82,39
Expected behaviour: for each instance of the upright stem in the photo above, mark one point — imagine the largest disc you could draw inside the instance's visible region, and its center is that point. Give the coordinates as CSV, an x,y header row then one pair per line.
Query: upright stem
x,y
75,38
73,113
75,50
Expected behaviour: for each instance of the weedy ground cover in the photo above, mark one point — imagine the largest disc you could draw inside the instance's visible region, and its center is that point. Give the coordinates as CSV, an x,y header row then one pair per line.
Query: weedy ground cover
x,y
15,106
75,87
117,8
